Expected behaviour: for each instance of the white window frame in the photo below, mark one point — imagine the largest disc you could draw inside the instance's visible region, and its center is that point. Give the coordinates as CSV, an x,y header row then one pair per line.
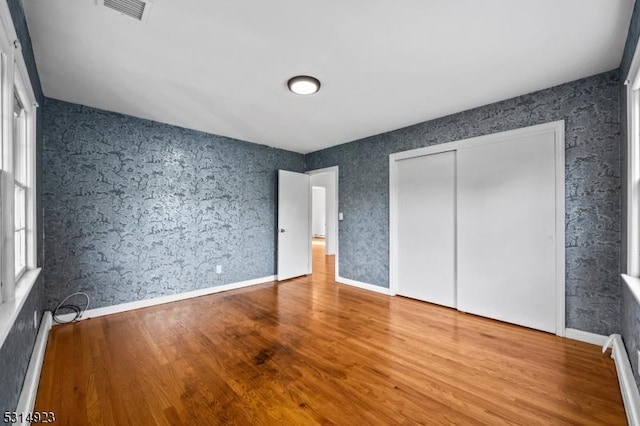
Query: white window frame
x,y
633,177
16,79
632,276
14,76
23,90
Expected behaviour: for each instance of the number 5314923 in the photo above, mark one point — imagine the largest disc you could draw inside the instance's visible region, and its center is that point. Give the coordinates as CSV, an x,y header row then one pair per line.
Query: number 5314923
x,y
32,417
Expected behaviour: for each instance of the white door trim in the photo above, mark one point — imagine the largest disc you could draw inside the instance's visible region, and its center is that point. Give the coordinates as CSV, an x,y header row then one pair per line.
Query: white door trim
x,y
557,127
336,175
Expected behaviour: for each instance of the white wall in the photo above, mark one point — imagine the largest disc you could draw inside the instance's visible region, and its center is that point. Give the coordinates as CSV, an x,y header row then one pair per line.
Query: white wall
x,y
319,212
327,181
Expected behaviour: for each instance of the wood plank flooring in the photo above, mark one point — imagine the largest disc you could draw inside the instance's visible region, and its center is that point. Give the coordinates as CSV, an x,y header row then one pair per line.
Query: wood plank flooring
x,y
309,351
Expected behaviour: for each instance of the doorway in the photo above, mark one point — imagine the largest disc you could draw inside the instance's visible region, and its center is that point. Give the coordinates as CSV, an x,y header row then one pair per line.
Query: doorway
x,y
319,212
324,214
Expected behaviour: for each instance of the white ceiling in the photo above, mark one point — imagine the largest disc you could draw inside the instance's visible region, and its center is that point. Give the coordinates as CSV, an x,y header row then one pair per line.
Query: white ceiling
x,y
222,66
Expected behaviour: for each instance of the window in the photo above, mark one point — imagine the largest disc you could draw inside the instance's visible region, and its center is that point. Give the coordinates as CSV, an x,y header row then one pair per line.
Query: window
x,y
18,269
20,255
17,194
632,276
20,186
633,168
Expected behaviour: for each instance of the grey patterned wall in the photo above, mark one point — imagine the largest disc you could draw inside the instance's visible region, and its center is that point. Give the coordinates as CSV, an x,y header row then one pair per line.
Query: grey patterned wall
x,y
630,309
136,209
16,350
590,108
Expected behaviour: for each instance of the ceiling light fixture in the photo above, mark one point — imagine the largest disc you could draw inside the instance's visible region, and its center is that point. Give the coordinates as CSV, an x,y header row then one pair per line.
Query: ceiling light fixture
x,y
303,85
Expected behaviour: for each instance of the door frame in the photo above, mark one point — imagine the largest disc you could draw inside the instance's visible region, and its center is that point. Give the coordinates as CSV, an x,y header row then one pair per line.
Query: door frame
x,y
336,174
555,127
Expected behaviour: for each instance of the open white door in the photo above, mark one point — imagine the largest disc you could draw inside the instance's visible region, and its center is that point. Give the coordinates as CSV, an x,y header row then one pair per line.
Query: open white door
x,y
294,227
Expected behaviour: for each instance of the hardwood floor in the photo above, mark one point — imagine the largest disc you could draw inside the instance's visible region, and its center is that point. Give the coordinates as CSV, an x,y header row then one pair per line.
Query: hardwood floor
x,y
309,351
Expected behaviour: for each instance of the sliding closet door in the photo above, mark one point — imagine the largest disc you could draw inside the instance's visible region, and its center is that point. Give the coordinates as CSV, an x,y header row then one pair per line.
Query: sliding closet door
x,y
426,228
506,231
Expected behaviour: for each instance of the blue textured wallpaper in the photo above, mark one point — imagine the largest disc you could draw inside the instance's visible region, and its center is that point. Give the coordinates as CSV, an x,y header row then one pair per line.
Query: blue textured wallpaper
x,y
136,209
630,309
16,350
590,108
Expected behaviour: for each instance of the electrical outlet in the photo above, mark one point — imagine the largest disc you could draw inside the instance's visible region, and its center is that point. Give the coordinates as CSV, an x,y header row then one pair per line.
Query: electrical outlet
x,y
35,319
218,269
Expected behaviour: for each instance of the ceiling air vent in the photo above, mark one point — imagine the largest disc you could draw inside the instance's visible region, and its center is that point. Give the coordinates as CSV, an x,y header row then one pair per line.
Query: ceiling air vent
x,y
136,9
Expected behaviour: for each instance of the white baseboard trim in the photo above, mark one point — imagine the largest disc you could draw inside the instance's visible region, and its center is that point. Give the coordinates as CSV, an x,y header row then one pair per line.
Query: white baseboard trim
x,y
365,286
628,387
30,388
585,336
129,306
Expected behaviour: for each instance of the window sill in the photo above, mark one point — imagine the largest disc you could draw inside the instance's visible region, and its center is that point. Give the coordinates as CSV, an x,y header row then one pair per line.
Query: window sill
x,y
9,311
634,285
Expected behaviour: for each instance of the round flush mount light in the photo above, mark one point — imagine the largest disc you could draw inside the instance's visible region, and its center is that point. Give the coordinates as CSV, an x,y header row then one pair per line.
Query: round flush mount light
x,y
303,85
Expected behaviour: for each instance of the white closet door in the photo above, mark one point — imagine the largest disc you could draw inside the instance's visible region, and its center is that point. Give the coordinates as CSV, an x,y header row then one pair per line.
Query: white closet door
x,y
506,231
426,228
